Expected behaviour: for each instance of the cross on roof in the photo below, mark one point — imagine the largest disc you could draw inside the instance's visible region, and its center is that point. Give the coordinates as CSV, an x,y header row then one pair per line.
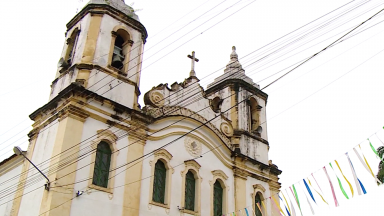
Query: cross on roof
x,y
193,58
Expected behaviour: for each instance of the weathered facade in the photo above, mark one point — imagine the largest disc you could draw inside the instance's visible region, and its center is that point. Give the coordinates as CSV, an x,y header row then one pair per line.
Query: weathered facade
x,y
189,151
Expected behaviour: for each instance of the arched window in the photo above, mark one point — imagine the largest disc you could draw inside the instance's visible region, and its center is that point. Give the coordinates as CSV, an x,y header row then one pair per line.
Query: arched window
x,y
71,41
159,182
190,185
102,163
258,201
217,199
254,114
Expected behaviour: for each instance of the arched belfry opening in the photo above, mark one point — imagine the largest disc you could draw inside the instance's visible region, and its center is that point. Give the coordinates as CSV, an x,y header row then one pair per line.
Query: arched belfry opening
x,y
121,49
254,115
71,46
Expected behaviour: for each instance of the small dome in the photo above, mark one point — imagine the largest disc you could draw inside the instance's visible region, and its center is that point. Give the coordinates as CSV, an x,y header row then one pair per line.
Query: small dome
x,y
119,5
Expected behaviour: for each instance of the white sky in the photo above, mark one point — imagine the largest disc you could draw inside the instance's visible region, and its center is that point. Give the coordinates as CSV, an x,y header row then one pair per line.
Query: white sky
x,y
304,135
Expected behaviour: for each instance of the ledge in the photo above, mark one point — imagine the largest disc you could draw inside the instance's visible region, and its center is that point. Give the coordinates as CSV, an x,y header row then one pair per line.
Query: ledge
x,y
239,83
77,89
247,133
107,190
106,9
159,204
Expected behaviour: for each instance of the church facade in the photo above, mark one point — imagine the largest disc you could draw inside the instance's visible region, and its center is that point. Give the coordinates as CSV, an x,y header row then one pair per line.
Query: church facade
x,y
188,151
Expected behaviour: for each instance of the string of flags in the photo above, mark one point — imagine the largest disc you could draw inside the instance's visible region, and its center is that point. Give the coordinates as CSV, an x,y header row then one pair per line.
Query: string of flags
x,y
309,187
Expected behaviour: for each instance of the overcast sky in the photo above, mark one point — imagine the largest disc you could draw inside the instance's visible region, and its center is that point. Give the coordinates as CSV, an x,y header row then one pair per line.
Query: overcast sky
x,y
315,114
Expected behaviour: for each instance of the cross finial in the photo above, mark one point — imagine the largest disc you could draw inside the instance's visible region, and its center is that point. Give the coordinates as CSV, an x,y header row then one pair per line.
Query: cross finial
x,y
193,58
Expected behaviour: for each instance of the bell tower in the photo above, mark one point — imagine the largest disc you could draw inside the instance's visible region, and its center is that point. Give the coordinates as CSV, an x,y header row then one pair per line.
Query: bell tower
x,y
93,102
248,117
103,52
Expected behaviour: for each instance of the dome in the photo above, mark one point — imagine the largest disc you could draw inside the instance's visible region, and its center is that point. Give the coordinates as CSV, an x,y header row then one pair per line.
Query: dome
x,y
119,5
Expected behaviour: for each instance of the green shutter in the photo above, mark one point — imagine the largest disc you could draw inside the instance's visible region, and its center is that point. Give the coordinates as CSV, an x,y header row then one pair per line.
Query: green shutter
x,y
190,191
217,199
257,200
102,163
159,182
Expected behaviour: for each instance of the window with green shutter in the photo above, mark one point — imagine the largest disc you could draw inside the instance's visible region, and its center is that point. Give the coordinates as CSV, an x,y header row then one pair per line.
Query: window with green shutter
x,y
190,191
102,163
160,176
217,199
257,200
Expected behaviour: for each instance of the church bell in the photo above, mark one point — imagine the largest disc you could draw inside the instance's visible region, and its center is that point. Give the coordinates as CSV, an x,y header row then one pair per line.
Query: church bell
x,y
118,57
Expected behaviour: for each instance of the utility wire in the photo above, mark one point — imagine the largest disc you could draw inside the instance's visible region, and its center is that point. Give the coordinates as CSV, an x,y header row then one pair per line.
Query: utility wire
x,y
323,49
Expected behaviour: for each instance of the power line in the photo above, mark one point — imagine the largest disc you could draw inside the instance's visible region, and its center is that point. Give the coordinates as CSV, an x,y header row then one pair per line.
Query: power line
x,y
323,49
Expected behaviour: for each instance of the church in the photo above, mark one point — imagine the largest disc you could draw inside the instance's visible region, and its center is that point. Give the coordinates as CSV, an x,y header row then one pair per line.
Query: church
x,y
187,151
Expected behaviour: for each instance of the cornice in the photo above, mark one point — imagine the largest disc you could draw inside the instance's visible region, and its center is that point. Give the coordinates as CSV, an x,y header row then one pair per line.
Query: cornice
x,y
239,83
101,9
75,89
112,72
240,173
73,112
10,163
247,133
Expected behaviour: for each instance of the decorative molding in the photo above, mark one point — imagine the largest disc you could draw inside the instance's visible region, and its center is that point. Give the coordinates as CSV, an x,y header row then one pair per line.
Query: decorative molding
x,y
240,173
156,98
192,163
181,111
220,174
193,147
73,112
163,153
107,134
226,129
259,187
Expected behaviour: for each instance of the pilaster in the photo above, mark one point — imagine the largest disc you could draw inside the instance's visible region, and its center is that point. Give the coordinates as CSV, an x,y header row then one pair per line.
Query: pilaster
x,y
70,128
240,179
90,47
132,188
23,177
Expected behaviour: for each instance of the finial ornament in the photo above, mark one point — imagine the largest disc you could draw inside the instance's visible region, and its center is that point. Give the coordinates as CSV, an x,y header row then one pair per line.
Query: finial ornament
x,y
234,54
193,58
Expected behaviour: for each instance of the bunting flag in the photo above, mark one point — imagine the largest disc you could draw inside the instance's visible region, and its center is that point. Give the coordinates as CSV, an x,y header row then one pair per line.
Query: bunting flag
x,y
286,202
350,186
246,211
265,208
288,212
340,185
277,204
297,198
258,206
316,183
309,190
374,150
274,204
313,212
333,191
292,207
317,191
366,165
358,183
